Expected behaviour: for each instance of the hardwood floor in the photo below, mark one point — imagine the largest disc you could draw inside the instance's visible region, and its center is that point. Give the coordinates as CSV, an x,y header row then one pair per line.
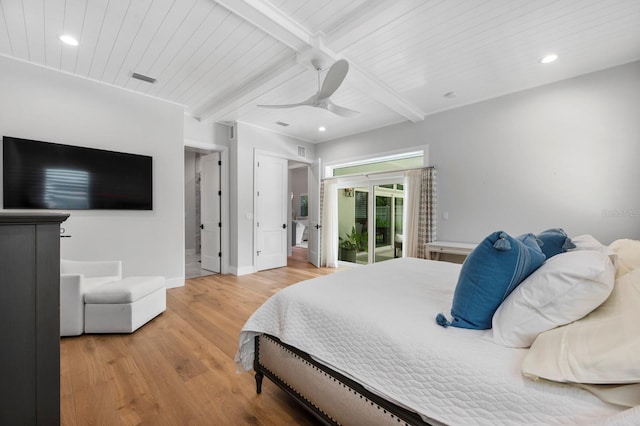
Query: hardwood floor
x,y
179,369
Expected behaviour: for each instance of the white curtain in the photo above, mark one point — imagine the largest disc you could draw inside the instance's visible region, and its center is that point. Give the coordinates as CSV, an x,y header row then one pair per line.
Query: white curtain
x,y
412,182
329,212
420,211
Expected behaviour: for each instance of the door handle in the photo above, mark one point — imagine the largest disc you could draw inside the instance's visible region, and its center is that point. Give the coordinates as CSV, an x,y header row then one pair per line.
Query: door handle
x,y
284,226
201,226
318,226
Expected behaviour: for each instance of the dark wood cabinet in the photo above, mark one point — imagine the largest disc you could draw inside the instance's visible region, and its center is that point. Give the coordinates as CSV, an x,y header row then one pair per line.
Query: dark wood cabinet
x,y
29,318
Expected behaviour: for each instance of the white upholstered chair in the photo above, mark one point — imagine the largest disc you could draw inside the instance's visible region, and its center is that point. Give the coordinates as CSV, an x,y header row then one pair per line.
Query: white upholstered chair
x,y
76,278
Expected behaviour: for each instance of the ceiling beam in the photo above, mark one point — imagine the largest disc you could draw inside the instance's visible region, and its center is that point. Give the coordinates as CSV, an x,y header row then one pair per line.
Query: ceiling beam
x,y
289,32
218,108
384,94
272,21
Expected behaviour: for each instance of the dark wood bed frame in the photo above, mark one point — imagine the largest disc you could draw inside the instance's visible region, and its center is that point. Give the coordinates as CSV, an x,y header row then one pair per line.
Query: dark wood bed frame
x,y
330,396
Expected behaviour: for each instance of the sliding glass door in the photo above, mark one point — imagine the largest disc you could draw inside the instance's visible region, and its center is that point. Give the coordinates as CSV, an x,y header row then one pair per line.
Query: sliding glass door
x,y
353,222
388,226
371,206
370,222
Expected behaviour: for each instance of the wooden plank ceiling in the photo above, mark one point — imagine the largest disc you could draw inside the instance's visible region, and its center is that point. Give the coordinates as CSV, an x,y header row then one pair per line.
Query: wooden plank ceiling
x,y
221,58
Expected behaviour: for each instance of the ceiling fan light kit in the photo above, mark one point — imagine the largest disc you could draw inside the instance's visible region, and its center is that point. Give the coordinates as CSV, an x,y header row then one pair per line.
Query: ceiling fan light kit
x,y
321,99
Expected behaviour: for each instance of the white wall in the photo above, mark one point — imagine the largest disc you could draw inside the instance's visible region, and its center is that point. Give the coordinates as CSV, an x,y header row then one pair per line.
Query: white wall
x,y
41,104
561,155
248,139
198,131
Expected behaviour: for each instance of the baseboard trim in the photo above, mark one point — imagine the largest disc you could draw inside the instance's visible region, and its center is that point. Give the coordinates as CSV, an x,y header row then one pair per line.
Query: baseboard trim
x,y
246,270
175,282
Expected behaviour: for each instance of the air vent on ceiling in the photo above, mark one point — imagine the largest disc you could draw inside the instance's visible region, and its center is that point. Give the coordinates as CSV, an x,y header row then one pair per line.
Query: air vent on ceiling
x,y
143,77
302,151
282,123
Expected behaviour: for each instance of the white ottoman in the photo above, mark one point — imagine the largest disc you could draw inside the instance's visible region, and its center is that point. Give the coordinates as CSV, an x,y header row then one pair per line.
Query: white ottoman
x,y
124,306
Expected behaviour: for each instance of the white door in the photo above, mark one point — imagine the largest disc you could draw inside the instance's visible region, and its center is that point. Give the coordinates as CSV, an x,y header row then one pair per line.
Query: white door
x,y
210,225
271,212
313,252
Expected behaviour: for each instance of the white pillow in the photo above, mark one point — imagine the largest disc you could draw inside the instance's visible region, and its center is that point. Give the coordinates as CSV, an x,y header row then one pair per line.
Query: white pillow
x,y
601,348
628,253
565,288
587,242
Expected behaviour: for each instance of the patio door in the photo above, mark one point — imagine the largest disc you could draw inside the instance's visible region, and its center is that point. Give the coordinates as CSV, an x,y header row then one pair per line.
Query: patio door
x,y
388,209
370,221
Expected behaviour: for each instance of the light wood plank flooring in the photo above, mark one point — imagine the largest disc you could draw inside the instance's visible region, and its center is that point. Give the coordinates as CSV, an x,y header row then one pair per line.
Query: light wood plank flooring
x,y
178,369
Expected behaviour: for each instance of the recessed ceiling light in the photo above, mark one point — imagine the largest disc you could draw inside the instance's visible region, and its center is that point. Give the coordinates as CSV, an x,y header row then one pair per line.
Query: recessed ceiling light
x,y
69,40
549,58
322,129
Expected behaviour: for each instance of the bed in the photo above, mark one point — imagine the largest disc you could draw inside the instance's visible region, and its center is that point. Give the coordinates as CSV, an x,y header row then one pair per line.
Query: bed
x,y
361,347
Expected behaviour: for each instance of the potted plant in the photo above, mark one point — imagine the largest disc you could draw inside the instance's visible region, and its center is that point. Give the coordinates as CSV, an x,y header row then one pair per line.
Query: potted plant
x,y
349,245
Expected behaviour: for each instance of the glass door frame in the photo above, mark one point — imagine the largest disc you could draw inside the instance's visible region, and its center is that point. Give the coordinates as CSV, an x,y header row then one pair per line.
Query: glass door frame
x,y
393,194
370,183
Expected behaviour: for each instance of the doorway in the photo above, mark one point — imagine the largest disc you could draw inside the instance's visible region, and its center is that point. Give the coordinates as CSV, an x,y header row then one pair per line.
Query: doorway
x,y
271,218
299,208
304,211
210,211
202,213
300,222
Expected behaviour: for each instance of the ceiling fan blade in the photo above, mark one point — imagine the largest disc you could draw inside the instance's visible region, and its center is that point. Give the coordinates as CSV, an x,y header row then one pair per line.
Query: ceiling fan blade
x,y
287,105
341,111
334,78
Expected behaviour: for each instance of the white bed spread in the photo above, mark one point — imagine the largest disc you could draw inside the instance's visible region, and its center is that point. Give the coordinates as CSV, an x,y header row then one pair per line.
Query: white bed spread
x,y
376,325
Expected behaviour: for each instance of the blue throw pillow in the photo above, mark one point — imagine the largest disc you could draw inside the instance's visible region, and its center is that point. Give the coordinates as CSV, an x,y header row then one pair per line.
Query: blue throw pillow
x,y
554,241
490,272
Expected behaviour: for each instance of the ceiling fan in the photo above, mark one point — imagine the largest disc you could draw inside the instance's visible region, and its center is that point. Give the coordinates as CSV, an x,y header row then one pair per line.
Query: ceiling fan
x,y
334,78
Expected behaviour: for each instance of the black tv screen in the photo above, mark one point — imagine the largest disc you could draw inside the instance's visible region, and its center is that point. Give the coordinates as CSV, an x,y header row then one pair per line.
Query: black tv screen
x,y
44,175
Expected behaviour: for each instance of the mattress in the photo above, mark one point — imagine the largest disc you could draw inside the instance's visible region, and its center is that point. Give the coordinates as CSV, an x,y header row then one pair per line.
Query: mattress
x,y
375,324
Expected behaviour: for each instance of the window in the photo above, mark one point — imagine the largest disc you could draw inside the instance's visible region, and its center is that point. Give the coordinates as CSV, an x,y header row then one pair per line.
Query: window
x,y
398,162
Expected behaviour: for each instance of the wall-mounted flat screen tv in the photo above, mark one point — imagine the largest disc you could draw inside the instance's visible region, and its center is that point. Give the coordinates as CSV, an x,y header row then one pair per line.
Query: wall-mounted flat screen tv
x,y
44,175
